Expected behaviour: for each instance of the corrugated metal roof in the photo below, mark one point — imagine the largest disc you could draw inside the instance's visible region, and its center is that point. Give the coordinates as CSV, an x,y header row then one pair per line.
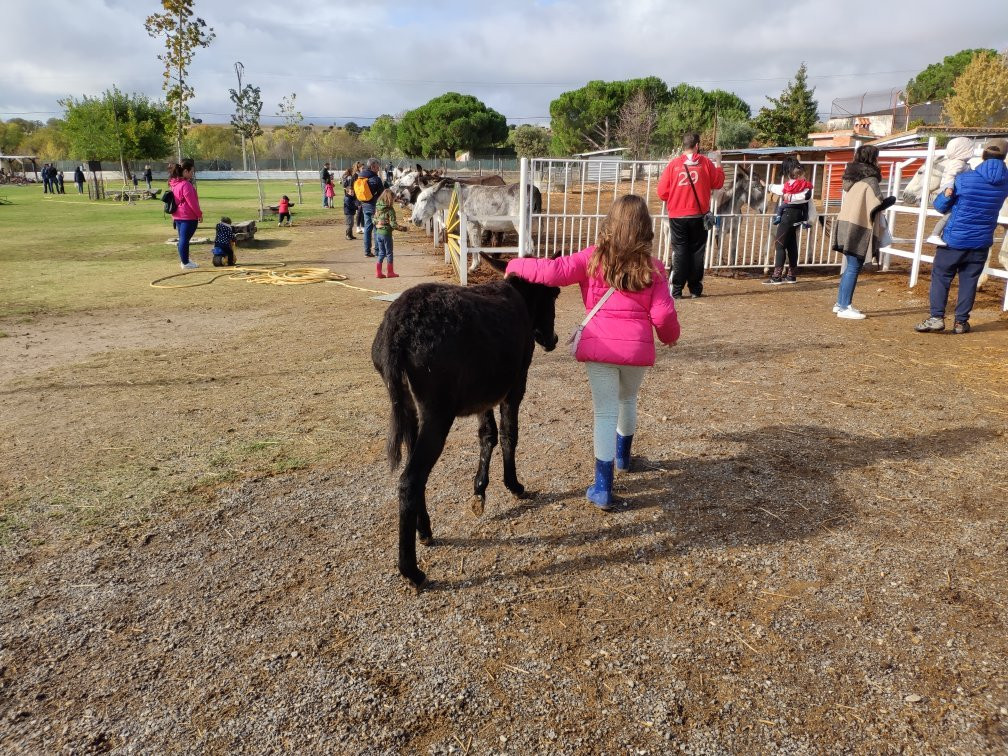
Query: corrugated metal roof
x,y
776,150
923,132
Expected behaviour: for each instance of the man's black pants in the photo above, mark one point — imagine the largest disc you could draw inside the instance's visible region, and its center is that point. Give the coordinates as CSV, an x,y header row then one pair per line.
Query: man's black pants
x,y
689,242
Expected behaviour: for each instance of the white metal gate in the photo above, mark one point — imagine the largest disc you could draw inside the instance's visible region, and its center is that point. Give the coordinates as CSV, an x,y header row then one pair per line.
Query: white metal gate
x,y
577,193
576,196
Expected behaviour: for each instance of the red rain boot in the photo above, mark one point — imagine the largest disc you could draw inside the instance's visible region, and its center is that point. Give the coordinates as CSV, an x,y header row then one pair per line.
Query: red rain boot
x,y
391,271
378,273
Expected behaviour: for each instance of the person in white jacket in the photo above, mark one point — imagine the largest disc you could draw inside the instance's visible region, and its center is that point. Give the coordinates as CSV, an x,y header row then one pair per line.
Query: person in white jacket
x,y
957,154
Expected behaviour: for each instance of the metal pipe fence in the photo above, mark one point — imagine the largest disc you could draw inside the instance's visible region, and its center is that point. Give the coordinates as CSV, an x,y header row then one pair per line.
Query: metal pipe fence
x,y
577,195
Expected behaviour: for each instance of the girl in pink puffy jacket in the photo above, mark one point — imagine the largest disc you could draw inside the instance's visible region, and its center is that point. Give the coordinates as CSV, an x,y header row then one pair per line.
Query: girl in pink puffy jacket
x,y
617,344
187,215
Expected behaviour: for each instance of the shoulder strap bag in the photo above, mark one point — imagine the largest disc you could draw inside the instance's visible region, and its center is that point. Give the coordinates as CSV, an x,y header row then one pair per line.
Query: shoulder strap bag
x,y
575,337
708,219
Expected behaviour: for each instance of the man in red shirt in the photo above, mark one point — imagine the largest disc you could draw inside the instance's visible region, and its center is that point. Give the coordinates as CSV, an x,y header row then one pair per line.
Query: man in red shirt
x,y
687,204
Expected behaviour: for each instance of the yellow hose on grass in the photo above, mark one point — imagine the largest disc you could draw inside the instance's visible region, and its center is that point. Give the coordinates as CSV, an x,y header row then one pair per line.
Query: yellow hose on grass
x,y
265,273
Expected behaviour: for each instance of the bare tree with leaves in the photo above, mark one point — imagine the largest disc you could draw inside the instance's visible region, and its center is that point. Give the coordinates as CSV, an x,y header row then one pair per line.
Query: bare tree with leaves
x,y
182,34
291,132
637,120
248,110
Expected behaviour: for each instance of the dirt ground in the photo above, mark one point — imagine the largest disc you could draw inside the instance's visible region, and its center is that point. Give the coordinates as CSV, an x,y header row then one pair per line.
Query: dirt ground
x,y
198,535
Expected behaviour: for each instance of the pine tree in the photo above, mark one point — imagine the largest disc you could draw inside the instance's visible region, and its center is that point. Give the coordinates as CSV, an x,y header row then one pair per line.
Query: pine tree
x,y
981,93
792,116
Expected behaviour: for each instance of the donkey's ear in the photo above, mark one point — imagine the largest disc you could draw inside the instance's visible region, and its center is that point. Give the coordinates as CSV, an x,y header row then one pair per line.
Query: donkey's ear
x,y
495,262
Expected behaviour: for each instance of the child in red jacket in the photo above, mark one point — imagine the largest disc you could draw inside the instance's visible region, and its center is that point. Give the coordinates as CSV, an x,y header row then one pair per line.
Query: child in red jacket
x,y
283,210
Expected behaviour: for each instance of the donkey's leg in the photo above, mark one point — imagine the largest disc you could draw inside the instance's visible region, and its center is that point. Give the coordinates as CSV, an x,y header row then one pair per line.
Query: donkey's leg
x,y
733,224
413,515
509,440
475,232
488,440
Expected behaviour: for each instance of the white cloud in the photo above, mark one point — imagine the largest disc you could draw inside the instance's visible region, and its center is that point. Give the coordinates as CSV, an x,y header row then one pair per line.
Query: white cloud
x,y
356,61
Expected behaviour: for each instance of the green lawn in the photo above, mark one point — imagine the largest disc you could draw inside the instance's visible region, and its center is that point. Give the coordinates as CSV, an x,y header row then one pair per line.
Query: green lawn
x,y
65,253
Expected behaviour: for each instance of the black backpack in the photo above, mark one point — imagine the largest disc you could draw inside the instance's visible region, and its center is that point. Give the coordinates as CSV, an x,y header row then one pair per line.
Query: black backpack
x,y
170,205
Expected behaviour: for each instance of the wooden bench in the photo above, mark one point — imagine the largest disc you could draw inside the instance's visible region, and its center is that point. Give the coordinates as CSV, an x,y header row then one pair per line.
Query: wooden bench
x,y
273,211
131,195
245,230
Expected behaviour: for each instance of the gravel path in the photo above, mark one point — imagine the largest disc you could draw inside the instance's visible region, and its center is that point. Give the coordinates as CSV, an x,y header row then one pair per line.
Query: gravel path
x,y
811,558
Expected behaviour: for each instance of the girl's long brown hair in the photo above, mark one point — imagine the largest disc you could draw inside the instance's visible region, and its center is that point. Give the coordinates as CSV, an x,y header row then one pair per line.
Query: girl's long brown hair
x,y
624,246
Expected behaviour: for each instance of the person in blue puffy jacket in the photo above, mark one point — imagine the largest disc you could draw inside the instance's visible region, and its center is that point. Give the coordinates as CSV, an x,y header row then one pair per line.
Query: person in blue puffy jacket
x,y
972,204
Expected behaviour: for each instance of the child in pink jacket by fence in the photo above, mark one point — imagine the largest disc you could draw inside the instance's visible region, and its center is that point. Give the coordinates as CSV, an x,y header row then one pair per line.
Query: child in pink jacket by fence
x,y
617,343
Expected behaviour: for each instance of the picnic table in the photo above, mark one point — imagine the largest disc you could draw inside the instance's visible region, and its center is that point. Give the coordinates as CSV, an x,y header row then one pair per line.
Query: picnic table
x,y
131,195
273,210
244,230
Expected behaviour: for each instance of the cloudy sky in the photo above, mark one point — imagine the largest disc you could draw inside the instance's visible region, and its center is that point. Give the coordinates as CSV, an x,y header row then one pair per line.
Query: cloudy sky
x,y
355,61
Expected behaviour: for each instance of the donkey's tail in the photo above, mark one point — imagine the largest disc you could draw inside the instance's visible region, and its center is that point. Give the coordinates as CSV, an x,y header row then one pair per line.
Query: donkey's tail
x,y
403,417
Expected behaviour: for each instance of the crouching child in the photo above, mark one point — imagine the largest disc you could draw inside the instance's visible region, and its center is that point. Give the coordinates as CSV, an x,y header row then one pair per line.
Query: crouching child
x,y
224,242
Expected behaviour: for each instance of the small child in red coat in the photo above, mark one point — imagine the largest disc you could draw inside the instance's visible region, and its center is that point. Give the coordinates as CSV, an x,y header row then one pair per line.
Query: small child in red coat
x,y
283,210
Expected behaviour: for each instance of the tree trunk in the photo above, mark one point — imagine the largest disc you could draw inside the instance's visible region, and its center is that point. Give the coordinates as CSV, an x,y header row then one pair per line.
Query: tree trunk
x,y
255,165
296,177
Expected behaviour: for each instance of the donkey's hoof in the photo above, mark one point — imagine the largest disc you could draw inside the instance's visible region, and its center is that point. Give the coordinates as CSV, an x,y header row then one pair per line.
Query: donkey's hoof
x,y
519,492
478,504
417,581
427,539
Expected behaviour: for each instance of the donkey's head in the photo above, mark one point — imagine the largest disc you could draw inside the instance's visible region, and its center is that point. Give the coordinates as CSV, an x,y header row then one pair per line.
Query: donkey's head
x,y
428,202
746,189
541,303
749,188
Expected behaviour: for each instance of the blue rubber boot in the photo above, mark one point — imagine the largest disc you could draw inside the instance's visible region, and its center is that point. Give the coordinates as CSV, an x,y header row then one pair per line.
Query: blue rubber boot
x,y
600,493
623,452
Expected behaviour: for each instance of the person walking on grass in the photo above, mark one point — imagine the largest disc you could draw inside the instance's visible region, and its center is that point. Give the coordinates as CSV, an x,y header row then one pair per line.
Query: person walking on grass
x,y
148,176
627,299
349,203
79,178
187,215
324,177
330,194
283,211
685,186
857,230
972,203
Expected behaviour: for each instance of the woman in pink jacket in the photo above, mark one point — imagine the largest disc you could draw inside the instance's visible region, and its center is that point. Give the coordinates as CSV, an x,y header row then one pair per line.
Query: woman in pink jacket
x,y
617,344
188,214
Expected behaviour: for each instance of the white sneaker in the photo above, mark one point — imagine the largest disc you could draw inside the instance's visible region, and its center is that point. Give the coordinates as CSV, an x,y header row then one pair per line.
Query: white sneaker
x,y
836,308
851,313
936,240
189,265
